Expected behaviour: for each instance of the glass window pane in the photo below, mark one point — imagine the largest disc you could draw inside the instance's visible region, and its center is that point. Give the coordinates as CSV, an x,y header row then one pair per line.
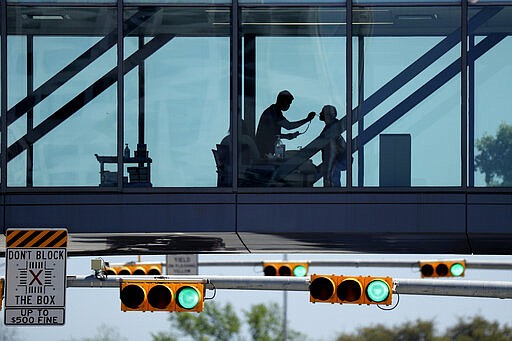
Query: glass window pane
x,y
177,97
490,72
62,107
408,107
302,51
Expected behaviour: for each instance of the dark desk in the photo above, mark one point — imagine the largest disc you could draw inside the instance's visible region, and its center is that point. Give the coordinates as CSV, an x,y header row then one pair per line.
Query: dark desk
x,y
140,175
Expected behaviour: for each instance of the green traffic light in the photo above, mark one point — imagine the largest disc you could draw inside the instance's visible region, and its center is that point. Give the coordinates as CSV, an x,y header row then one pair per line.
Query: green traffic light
x,y
300,271
457,269
377,290
187,297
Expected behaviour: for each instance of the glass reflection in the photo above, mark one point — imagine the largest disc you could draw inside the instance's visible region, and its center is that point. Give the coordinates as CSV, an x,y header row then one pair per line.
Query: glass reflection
x,y
177,100
490,143
408,96
62,106
301,51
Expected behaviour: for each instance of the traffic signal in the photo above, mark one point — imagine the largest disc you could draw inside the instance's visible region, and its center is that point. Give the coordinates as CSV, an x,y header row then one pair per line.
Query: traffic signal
x,y
448,268
350,289
297,269
161,295
133,268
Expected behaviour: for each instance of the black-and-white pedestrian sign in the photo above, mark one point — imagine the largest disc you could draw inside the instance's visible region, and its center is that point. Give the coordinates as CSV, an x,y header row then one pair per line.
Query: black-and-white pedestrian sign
x,y
35,287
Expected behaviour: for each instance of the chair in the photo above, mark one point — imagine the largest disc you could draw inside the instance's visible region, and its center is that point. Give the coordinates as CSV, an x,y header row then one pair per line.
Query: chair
x,y
223,162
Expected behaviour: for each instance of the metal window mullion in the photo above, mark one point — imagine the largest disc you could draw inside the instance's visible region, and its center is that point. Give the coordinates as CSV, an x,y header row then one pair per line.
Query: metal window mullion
x,y
30,112
348,92
235,87
464,95
120,94
3,99
360,119
471,117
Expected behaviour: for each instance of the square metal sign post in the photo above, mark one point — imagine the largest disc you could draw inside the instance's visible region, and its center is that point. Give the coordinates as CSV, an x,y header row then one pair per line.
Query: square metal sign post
x,y
35,277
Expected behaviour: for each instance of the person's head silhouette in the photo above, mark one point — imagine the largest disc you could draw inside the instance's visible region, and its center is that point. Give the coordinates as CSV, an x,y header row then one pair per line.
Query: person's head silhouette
x,y
284,100
328,114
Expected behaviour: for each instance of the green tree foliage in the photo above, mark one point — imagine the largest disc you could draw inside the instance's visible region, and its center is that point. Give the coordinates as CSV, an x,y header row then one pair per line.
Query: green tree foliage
x,y
8,334
214,323
495,158
221,323
104,333
408,331
479,329
467,329
265,322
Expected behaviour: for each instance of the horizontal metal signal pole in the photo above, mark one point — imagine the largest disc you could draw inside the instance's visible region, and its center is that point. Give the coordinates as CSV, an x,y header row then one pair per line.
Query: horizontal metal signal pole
x,y
500,265
440,287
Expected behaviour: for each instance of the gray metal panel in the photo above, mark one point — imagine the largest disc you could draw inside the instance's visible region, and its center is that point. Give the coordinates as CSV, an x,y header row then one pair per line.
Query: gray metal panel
x,y
152,223
373,222
490,223
394,160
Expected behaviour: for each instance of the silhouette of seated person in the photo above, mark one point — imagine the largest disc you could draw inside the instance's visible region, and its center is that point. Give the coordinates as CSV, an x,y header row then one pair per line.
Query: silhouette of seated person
x,y
334,153
249,150
271,122
249,153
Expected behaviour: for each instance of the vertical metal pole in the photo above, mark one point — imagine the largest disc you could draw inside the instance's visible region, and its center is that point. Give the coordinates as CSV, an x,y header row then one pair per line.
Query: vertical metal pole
x,y
285,308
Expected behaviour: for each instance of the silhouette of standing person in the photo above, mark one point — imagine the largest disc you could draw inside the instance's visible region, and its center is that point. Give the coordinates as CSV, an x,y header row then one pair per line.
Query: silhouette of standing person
x,y
334,153
272,120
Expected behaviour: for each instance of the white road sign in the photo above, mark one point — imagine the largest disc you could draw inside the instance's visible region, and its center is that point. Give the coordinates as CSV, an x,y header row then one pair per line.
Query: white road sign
x,y
35,283
182,264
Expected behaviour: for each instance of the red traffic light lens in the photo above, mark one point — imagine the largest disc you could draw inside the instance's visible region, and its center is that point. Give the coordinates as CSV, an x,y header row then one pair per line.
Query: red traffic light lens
x,y
442,269
427,270
159,296
132,296
321,288
349,290
285,270
270,270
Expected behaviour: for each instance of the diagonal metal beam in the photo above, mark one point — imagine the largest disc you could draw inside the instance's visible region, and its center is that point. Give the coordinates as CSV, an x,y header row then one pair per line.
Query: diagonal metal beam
x,y
424,91
421,63
79,101
77,65
387,90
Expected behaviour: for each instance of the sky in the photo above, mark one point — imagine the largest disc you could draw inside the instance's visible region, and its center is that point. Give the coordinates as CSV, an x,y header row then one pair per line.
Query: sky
x,y
88,309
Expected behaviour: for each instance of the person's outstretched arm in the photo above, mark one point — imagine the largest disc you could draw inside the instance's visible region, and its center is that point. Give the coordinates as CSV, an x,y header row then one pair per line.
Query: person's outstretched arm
x,y
294,125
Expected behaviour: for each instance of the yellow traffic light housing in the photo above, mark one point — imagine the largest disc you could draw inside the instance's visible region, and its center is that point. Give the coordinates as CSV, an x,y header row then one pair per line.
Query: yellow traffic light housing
x,y
351,289
284,268
161,295
447,268
132,268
